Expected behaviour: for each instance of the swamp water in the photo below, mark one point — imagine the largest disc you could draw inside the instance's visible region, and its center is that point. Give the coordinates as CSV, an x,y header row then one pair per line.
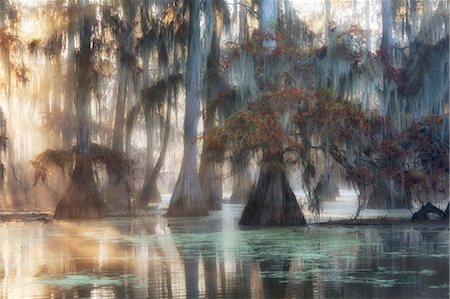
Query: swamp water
x,y
211,257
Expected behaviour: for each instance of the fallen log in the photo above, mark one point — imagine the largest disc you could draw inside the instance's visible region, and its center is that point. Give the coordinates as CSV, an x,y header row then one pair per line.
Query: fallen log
x,y
422,214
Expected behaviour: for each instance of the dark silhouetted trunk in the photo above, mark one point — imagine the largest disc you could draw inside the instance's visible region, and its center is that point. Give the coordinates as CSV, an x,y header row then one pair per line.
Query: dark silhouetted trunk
x,y
272,202
422,214
150,192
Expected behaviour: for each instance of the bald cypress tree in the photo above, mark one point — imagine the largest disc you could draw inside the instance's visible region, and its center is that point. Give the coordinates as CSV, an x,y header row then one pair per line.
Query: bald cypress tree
x,y
188,198
82,198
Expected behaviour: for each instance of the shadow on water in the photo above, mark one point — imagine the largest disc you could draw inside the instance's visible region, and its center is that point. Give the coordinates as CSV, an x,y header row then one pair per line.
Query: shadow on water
x,y
212,257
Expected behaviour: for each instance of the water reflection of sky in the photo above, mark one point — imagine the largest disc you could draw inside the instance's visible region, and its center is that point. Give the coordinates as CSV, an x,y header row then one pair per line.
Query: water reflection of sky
x,y
211,257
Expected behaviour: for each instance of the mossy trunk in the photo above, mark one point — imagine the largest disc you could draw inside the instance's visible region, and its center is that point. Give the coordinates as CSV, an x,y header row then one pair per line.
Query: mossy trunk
x,y
242,180
150,192
211,181
214,84
187,198
326,190
211,170
82,199
272,202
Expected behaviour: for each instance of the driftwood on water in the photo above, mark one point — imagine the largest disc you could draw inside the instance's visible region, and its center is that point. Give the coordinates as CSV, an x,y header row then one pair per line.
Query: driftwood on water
x,y
422,214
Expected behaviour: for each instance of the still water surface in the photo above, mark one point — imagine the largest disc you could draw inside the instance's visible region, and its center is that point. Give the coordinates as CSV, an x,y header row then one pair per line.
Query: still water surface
x,y
211,257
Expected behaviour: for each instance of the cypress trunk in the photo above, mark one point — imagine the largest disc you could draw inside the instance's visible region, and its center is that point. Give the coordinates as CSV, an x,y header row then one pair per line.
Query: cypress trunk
x,y
150,192
187,198
272,202
82,198
242,180
211,179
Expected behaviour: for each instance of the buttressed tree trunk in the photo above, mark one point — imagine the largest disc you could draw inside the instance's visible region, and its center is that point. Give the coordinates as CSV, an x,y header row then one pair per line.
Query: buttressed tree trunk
x,y
188,198
272,202
119,193
82,198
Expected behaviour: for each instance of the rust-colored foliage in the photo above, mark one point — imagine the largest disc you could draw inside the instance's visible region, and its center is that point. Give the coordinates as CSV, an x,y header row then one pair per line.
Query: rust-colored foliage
x,y
372,150
48,160
262,126
215,142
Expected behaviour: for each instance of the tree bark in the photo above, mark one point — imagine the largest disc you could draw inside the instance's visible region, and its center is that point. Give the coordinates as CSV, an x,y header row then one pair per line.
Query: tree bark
x,y
242,180
272,202
210,163
150,192
188,198
387,42
268,15
82,198
210,172
327,20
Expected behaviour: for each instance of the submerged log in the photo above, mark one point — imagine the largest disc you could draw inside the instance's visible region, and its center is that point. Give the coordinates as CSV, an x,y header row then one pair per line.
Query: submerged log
x,y
272,202
422,214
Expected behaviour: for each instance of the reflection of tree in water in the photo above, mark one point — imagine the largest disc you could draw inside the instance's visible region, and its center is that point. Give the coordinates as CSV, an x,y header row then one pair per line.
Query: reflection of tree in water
x,y
273,287
274,263
189,253
206,265
386,264
151,255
